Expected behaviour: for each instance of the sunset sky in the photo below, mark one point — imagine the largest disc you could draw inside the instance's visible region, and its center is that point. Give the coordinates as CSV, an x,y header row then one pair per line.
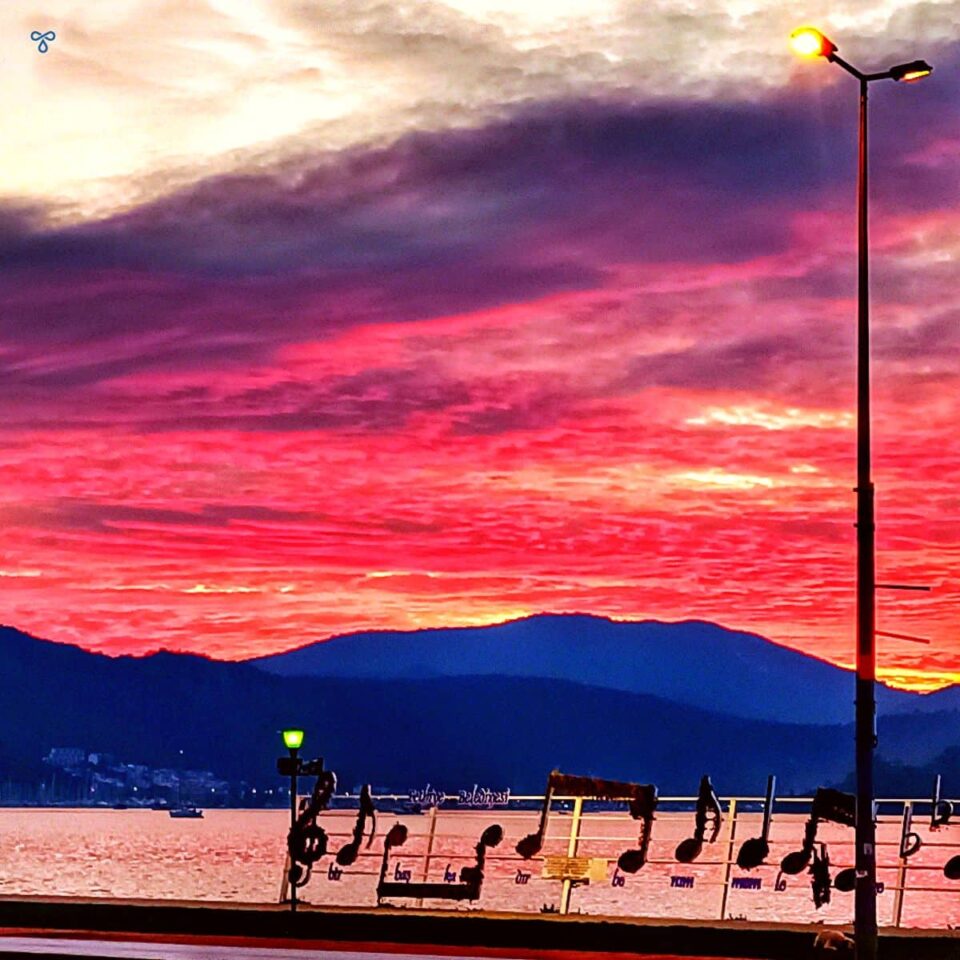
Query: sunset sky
x,y
322,317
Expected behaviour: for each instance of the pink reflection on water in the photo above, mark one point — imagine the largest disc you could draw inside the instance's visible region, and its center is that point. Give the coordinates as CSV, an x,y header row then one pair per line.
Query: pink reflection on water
x,y
238,856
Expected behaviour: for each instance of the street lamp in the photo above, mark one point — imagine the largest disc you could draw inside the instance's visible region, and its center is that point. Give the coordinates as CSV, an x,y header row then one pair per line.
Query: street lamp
x,y
810,42
290,767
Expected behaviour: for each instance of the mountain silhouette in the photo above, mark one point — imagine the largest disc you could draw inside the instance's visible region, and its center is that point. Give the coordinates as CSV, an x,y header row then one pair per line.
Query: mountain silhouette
x,y
401,733
900,779
694,663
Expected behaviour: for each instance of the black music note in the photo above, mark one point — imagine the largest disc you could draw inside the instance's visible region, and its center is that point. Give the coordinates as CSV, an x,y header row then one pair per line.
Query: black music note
x,y
910,841
532,844
471,877
347,854
755,850
828,805
490,837
708,810
940,810
820,876
940,813
641,799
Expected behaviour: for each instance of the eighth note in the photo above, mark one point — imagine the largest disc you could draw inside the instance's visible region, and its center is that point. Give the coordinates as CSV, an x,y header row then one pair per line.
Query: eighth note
x,y
36,35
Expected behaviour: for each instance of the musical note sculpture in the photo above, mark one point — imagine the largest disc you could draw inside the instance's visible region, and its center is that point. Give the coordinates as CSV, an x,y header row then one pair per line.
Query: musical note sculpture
x,y
820,876
347,854
641,799
940,813
756,850
471,877
708,811
940,810
910,841
307,840
835,807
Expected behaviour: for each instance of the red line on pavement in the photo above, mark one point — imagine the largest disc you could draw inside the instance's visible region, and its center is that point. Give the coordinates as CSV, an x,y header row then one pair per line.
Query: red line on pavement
x,y
351,946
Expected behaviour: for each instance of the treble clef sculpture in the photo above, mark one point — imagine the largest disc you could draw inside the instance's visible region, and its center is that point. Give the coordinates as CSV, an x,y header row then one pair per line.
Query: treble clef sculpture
x,y
307,840
708,811
347,854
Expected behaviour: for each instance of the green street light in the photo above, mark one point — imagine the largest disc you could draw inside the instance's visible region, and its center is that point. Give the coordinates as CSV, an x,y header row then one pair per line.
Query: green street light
x,y
293,739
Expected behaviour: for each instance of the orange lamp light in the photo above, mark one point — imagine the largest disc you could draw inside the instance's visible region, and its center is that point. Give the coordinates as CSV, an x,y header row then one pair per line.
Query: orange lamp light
x,y
810,42
910,72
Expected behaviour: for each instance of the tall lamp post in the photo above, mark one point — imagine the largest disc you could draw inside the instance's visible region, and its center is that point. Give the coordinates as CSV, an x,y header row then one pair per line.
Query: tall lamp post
x,y
811,43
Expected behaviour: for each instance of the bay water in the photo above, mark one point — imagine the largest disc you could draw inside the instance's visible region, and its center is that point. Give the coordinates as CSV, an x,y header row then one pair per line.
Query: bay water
x,y
238,856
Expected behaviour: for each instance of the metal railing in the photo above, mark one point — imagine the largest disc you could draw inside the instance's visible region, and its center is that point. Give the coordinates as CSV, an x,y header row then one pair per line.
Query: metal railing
x,y
576,869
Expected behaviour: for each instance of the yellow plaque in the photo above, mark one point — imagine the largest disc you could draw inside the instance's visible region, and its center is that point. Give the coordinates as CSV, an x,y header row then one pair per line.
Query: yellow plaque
x,y
581,869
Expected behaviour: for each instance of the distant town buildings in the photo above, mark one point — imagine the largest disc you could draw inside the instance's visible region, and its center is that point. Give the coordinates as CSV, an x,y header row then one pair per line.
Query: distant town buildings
x,y
75,776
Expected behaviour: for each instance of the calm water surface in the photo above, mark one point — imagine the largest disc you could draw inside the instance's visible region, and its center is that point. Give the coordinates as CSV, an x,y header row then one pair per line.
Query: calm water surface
x,y
234,855
238,856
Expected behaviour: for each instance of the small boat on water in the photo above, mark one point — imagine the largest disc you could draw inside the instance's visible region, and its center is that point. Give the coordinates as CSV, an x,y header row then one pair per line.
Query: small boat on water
x,y
185,813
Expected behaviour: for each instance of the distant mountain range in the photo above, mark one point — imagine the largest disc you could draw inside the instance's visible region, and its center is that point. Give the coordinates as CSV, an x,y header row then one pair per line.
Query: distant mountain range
x,y
456,730
694,663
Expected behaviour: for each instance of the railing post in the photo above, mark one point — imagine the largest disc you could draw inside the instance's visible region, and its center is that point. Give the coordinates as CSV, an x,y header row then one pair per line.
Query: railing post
x,y
902,864
732,817
572,845
285,880
426,857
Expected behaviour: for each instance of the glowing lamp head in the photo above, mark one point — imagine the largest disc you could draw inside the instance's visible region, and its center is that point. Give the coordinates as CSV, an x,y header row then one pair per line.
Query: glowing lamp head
x,y
910,72
292,739
810,42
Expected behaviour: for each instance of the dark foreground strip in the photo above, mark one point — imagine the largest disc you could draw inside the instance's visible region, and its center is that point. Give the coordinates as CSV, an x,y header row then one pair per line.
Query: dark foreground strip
x,y
245,948
242,946
444,934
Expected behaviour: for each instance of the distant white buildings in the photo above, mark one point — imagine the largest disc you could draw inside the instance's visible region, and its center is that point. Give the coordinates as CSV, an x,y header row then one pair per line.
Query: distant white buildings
x,y
66,757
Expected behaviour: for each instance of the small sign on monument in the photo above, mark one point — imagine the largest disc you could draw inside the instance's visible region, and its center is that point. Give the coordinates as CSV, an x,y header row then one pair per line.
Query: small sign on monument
x,y
579,869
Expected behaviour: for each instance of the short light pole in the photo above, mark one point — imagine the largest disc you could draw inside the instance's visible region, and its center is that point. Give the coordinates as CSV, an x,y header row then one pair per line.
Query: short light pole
x,y
811,43
290,767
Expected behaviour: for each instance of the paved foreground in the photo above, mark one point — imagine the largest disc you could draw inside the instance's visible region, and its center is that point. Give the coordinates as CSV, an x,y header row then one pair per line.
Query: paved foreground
x,y
12,946
169,930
